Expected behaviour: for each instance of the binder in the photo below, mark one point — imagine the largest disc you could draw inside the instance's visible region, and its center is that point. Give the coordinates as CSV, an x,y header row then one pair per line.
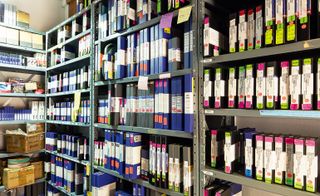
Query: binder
x,y
171,166
134,53
174,56
156,49
135,143
251,29
241,87
307,80
145,163
134,90
284,85
146,50
162,7
217,151
269,22
177,102
141,52
150,103
121,169
159,161
128,155
272,85
312,162
178,160
295,85
163,49
250,144
187,171
259,30
164,162
188,103
243,31
250,86
160,104
292,20
112,150
299,169
152,160
156,103
152,49
187,42
208,101
232,88
269,162
230,149
306,17
78,179
261,86
220,99
280,164
259,157
121,58
289,160
166,104
280,18
233,33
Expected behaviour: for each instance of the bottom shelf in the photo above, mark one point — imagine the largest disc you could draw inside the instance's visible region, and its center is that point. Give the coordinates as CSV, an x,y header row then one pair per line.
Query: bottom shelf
x,y
61,189
3,188
273,188
139,181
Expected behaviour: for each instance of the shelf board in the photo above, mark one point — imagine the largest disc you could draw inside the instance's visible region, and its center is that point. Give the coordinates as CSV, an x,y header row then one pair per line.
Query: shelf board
x,y
70,40
22,29
3,188
139,181
300,114
150,77
24,69
296,47
61,189
67,65
69,19
85,163
67,93
21,48
15,122
58,122
135,28
250,182
22,95
145,130
9,154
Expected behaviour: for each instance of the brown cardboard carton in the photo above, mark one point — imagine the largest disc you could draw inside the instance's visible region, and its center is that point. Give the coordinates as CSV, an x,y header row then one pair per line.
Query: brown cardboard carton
x,y
24,143
38,169
13,178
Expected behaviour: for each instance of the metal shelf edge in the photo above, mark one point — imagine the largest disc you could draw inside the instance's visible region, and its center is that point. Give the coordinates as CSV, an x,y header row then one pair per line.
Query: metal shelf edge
x,y
22,48
263,52
305,114
139,181
85,163
22,29
67,93
57,122
72,61
239,179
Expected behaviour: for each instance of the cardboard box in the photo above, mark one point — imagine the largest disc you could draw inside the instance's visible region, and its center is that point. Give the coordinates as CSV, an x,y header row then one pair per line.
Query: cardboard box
x,y
13,178
25,143
37,41
23,19
25,39
38,169
72,7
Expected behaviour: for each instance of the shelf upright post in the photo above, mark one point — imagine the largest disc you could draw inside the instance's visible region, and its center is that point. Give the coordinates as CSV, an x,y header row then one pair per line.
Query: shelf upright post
x,y
92,97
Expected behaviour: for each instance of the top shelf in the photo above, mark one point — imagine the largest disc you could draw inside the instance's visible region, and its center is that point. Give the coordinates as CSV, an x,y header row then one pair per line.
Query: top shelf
x,y
135,28
69,19
22,29
296,47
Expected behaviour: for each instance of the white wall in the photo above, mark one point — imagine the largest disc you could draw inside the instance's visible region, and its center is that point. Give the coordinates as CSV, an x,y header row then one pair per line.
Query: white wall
x,y
44,14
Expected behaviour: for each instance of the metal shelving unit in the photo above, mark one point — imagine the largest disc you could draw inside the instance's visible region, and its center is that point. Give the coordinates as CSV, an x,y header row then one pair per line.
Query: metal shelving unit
x,y
216,117
72,64
138,181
